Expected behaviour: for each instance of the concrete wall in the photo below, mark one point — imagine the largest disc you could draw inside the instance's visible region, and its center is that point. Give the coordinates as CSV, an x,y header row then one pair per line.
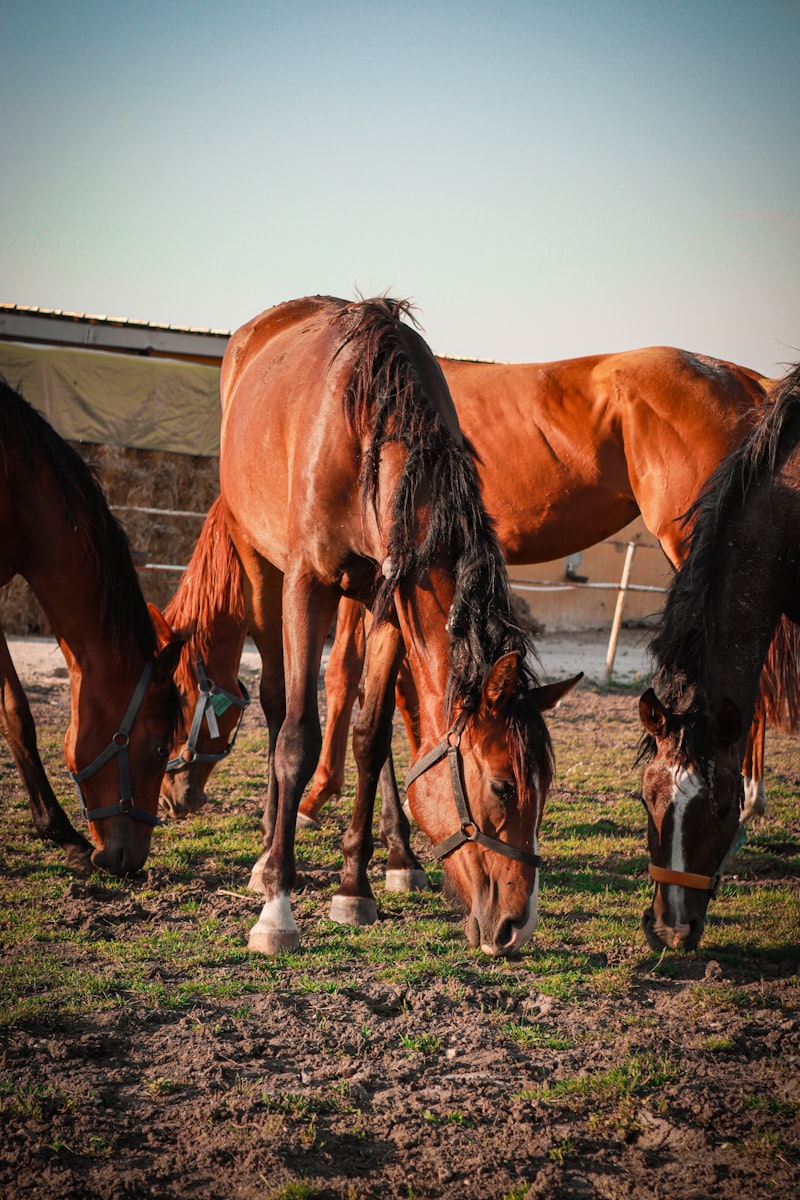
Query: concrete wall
x,y
561,605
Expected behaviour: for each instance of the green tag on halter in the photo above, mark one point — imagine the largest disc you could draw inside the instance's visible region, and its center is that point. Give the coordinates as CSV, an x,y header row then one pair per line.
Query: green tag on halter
x,y
739,839
220,703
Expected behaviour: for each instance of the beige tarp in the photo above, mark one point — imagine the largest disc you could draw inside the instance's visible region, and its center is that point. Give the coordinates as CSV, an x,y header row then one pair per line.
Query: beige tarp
x,y
118,399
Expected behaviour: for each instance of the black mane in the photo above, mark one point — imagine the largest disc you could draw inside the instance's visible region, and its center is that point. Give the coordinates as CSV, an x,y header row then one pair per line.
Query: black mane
x,y
27,439
680,647
386,397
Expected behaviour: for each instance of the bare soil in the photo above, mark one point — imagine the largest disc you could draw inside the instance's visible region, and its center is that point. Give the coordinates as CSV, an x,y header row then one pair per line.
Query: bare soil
x,y
363,1088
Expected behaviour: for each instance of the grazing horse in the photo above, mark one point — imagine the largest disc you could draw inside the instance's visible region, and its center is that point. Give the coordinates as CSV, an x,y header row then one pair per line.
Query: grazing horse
x,y
209,608
568,453
740,579
58,533
343,472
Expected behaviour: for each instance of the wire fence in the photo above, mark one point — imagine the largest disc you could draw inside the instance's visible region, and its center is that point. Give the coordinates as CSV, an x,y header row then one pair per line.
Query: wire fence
x,y
621,586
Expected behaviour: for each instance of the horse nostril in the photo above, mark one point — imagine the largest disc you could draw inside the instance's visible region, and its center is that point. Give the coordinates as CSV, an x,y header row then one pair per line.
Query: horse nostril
x,y
505,932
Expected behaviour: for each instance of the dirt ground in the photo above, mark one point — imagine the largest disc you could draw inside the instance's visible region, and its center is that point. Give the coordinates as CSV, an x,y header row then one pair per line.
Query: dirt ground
x,y
361,1088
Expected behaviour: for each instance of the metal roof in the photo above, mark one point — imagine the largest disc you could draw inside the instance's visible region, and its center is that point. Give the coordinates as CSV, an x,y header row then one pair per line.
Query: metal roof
x,y
19,323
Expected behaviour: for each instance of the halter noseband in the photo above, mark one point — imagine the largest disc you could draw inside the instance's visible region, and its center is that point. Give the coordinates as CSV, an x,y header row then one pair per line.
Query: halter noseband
x,y
119,746
468,830
212,701
699,883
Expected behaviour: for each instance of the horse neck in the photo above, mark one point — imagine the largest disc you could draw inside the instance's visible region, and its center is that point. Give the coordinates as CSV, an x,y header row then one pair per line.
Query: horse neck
x,y
422,612
743,605
66,577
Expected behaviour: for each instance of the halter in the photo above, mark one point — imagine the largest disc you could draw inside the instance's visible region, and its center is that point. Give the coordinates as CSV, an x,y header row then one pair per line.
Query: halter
x,y
119,746
700,883
212,701
687,879
468,830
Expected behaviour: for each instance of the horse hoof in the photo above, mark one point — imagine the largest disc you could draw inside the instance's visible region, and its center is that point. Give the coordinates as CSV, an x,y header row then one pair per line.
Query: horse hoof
x,y
403,879
353,910
304,822
272,941
255,883
79,858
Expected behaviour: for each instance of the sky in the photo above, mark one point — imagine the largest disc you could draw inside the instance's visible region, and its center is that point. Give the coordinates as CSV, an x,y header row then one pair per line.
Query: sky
x,y
543,178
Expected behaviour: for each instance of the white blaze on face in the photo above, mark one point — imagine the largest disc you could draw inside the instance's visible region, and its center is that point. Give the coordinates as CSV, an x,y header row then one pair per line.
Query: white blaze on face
x,y
687,785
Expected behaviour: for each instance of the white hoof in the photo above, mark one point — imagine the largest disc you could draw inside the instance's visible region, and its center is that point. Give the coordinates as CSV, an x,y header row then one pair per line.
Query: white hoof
x,y
755,799
275,929
272,941
407,880
353,910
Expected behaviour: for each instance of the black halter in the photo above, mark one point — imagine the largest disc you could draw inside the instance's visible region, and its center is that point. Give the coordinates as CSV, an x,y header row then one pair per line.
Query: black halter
x,y
212,701
468,830
119,746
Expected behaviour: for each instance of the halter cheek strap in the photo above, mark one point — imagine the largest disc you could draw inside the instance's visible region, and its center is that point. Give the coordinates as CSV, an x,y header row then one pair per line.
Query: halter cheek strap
x,y
211,702
118,746
468,830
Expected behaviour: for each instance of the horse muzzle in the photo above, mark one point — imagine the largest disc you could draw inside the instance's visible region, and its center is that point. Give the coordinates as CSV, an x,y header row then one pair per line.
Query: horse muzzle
x,y
500,935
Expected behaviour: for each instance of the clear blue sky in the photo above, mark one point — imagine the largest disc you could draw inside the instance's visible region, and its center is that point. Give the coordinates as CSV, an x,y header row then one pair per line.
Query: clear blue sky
x,y
545,178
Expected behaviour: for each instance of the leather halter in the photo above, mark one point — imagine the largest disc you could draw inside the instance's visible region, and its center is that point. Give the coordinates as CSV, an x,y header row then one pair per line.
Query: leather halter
x,y
205,708
699,883
468,830
119,746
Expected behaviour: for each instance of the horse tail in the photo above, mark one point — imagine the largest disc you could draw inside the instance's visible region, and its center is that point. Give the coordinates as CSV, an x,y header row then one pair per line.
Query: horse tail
x,y
779,687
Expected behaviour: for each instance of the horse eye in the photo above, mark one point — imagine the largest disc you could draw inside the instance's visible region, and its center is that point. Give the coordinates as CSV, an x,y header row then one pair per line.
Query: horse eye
x,y
162,751
504,788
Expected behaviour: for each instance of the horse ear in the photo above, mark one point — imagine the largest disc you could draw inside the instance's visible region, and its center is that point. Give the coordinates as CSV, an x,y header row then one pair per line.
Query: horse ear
x,y
550,695
170,645
501,680
728,724
653,715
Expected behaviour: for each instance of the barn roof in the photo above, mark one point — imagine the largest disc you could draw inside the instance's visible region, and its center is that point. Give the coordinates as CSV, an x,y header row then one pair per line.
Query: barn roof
x,y
111,381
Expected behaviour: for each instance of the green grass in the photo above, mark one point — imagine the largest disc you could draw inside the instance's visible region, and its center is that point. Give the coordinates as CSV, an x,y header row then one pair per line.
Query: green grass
x,y
127,950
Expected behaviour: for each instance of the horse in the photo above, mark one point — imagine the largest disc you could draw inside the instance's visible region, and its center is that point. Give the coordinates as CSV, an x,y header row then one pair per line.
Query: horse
x,y
209,608
568,453
343,472
741,578
58,533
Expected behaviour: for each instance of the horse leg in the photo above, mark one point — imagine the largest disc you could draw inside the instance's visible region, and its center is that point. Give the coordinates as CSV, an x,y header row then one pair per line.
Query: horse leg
x,y
342,678
308,611
408,705
16,723
755,800
264,605
404,871
353,903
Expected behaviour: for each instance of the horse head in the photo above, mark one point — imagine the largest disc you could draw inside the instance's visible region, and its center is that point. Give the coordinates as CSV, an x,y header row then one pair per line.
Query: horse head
x,y
209,718
693,792
499,764
117,754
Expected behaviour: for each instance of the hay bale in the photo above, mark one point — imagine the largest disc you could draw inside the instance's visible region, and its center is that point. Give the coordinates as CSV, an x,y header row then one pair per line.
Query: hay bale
x,y
145,479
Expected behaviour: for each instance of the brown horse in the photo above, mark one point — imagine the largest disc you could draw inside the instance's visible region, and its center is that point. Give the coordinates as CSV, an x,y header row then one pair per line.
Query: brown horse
x,y
343,472
568,453
209,608
740,579
58,533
